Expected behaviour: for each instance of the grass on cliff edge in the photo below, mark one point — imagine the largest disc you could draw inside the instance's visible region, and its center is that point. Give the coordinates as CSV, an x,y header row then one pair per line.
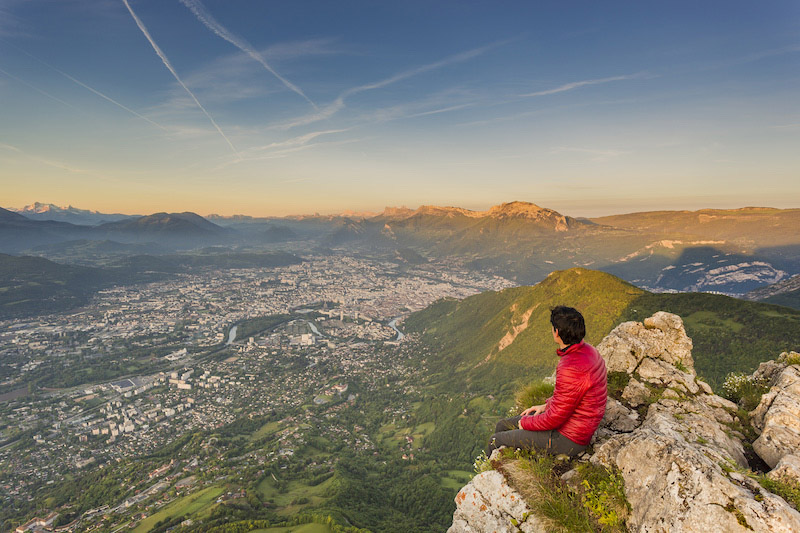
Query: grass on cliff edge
x,y
594,501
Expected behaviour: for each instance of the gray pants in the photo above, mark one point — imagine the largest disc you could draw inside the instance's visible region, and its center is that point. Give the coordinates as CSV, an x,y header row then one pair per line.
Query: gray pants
x,y
507,433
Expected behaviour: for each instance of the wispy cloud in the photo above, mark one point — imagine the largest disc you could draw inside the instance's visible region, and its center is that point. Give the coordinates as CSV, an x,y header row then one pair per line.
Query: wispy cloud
x,y
324,113
282,149
597,154
457,58
441,110
231,77
51,162
763,54
339,103
296,141
9,147
9,23
167,64
578,84
219,30
434,104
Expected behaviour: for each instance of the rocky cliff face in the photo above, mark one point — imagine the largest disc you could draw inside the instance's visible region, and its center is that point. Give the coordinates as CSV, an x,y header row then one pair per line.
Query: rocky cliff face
x,y
679,448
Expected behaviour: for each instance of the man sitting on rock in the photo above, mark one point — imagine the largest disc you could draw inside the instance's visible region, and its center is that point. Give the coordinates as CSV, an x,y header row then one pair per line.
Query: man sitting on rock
x,y
565,423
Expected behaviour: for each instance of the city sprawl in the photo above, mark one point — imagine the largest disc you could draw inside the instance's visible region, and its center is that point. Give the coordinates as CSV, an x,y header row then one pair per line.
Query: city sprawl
x,y
143,366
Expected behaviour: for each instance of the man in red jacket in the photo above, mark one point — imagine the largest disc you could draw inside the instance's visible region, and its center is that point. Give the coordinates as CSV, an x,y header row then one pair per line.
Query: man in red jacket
x,y
566,422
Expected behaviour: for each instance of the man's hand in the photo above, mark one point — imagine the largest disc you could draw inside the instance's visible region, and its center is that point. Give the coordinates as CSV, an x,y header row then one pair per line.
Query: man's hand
x,y
535,410
531,411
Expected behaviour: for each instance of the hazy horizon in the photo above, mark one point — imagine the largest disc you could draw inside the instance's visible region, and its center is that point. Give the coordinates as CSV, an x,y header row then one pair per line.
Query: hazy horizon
x,y
378,211
215,107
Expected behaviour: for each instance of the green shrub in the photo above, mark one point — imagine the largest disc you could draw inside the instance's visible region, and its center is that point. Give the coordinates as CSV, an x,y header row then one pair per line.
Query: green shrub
x,y
534,394
793,358
785,489
744,390
604,496
617,381
482,463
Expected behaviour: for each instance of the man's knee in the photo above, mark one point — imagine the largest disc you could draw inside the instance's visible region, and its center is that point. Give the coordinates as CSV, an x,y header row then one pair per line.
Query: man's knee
x,y
507,424
491,446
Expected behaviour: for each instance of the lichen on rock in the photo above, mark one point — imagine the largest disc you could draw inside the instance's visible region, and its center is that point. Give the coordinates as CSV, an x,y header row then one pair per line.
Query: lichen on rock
x,y
489,503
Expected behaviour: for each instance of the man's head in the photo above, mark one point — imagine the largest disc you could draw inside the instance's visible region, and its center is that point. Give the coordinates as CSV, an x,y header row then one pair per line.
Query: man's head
x,y
568,324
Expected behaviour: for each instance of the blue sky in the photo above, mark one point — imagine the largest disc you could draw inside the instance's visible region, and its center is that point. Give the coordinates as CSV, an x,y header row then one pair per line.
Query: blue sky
x,y
273,108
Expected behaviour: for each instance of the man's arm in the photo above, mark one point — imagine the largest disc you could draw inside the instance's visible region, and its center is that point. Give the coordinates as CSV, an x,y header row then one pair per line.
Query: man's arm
x,y
570,387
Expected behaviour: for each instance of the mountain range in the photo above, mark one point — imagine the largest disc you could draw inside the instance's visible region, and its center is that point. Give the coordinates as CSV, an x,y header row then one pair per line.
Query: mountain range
x,y
726,251
73,215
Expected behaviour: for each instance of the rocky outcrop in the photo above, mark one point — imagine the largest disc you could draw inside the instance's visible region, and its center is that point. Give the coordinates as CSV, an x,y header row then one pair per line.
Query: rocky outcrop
x,y
680,464
488,503
777,417
679,447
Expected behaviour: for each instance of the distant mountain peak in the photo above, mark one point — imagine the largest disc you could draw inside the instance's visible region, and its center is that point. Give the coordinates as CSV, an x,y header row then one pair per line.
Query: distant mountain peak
x,y
396,213
42,208
510,212
520,209
349,213
515,209
176,223
446,211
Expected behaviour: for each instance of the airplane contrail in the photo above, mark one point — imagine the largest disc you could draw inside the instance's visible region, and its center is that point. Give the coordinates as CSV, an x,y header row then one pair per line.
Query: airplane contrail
x,y
167,64
95,91
101,95
38,90
219,30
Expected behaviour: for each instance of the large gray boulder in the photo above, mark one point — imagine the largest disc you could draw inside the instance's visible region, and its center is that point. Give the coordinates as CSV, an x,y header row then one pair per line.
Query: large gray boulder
x,y
660,338
777,417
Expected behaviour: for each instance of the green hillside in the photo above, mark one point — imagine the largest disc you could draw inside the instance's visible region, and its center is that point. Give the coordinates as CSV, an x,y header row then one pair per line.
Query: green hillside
x,y
489,340
495,336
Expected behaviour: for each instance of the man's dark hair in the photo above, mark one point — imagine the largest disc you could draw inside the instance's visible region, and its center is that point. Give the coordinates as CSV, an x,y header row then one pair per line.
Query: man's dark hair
x,y
569,323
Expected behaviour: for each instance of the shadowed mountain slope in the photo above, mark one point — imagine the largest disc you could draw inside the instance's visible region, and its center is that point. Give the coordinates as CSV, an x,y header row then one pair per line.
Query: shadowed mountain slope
x,y
786,292
166,223
30,285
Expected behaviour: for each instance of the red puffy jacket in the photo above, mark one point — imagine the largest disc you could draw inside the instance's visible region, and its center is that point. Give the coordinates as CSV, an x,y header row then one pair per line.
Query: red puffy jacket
x,y
579,400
